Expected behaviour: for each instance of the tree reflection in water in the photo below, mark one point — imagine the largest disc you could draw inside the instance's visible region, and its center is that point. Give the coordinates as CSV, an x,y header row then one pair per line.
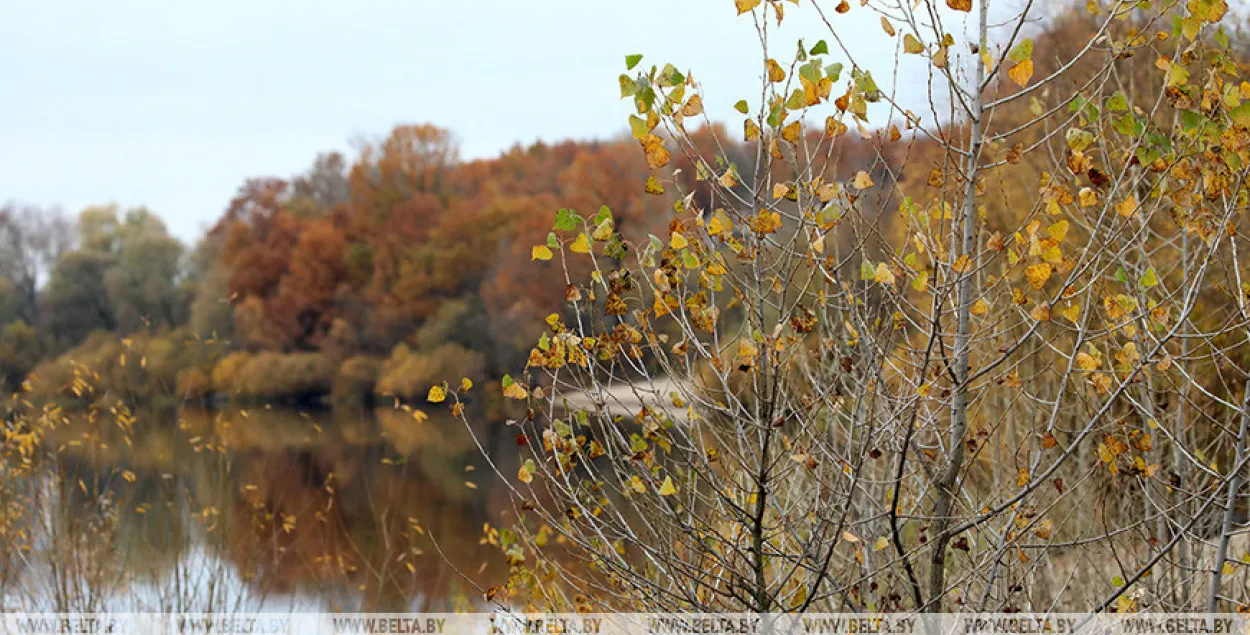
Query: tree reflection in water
x,y
265,509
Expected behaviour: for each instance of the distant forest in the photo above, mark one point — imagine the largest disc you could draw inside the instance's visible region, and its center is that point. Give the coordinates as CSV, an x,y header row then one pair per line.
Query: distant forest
x,y
373,276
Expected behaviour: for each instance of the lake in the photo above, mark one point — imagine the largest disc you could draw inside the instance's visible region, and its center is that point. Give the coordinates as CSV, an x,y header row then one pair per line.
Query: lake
x,y
256,509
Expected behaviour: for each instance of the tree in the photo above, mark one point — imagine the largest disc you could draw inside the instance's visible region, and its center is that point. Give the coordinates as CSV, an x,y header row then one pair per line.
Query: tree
x,y
30,242
901,380
76,301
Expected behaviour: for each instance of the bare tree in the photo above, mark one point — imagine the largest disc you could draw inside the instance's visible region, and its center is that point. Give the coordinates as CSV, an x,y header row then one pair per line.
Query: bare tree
x,y
993,355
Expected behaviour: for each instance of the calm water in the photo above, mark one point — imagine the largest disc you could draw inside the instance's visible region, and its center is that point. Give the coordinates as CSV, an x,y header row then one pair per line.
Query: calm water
x,y
260,509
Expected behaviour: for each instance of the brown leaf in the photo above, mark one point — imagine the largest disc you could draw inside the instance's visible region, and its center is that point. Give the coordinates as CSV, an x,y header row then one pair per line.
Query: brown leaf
x,y
960,5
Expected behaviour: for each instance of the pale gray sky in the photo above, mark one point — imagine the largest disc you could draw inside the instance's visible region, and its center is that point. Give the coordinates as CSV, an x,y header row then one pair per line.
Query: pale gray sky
x,y
173,104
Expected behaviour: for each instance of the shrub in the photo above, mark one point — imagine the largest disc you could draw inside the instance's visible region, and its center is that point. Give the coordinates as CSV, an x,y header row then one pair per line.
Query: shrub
x,y
409,375
356,377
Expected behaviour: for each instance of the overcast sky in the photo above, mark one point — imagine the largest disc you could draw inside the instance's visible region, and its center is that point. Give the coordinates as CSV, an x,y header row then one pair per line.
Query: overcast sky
x,y
173,104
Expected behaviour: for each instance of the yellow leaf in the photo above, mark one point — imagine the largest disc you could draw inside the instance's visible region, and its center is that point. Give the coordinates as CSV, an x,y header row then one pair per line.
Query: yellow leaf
x,y
1087,362
667,488
883,274
744,6
1053,255
465,384
912,45
653,186
1059,230
523,474
862,180
1022,477
1041,312
678,241
637,484
887,27
580,245
751,130
1021,73
1126,207
1072,312
775,72
980,307
962,263
834,128
436,395
540,252
728,179
693,107
1038,274
1088,197
791,132
657,155
720,223
881,544
849,537
960,5
780,190
604,230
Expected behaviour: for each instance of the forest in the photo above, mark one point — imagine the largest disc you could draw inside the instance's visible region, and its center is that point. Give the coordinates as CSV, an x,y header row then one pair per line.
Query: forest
x,y
374,277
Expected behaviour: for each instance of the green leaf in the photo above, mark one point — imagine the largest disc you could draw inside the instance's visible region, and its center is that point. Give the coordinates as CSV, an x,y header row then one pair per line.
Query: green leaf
x,y
1079,139
776,114
1192,120
1120,275
741,106
865,83
615,247
553,243
810,71
1118,102
645,99
1149,279
604,214
821,48
688,259
670,76
1021,52
631,61
797,100
1241,115
834,71
867,271
628,87
566,220
1129,126
506,381
638,126
1117,581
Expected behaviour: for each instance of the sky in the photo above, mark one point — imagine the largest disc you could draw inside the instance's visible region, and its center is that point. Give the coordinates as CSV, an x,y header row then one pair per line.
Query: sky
x,y
172,105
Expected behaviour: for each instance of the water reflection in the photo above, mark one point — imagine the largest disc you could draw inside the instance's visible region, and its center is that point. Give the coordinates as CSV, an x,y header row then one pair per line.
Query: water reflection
x,y
265,509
